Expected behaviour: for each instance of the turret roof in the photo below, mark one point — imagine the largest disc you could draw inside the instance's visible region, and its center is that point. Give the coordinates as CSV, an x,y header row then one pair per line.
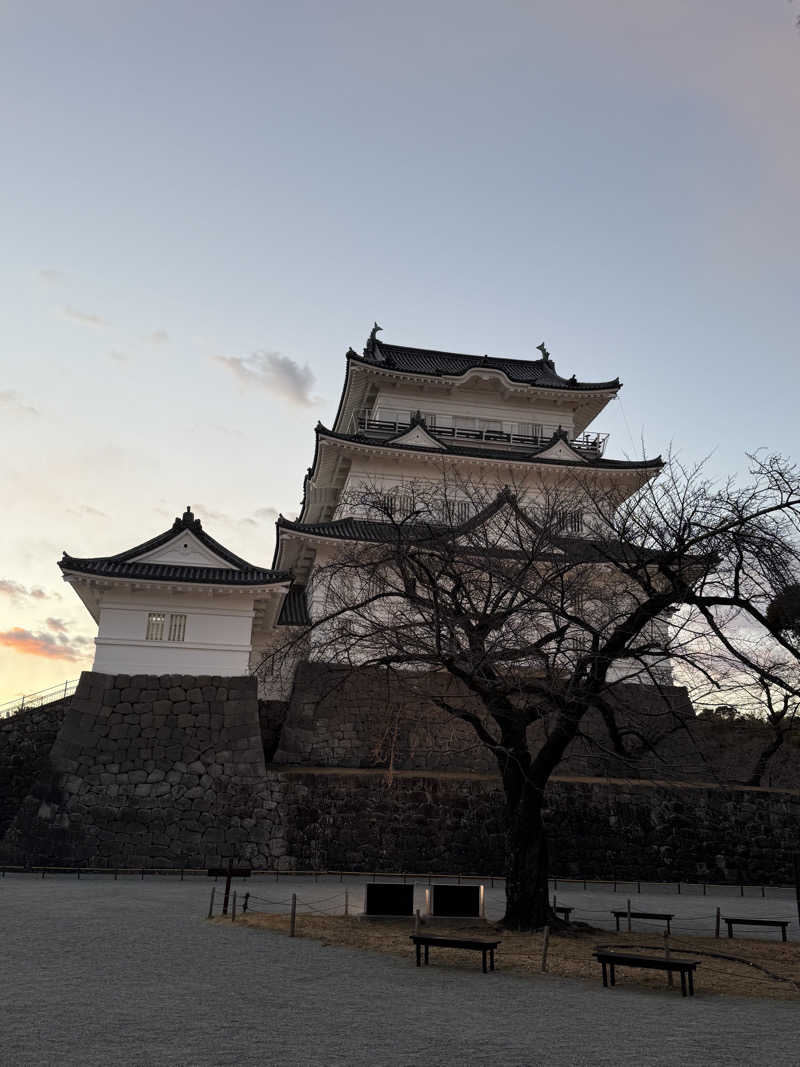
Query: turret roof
x,y
536,372
502,455
127,565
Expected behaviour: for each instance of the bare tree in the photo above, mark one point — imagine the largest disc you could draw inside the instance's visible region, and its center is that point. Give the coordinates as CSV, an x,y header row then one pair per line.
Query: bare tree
x,y
540,623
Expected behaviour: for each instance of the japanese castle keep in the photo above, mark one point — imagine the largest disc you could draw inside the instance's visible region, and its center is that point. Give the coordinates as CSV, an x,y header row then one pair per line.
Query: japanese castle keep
x,y
190,742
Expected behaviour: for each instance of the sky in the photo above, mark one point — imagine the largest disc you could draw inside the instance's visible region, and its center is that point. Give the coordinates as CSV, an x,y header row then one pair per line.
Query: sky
x,y
205,204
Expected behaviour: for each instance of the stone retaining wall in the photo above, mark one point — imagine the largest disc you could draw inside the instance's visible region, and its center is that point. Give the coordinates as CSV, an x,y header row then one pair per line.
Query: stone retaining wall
x,y
26,739
156,771
598,828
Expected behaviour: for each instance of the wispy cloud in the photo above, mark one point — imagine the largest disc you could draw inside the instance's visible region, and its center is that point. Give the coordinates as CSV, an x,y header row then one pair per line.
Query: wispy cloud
x,y
259,518
120,357
159,337
46,645
13,403
17,591
84,318
87,510
274,372
53,277
57,625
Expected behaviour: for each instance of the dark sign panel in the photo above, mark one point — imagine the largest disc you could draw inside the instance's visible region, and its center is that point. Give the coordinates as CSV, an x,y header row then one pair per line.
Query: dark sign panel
x,y
456,900
388,899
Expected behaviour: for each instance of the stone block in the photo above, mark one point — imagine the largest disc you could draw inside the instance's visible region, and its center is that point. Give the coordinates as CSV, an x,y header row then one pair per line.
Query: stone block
x,y
195,696
197,767
142,789
176,692
137,776
162,709
156,776
129,695
160,789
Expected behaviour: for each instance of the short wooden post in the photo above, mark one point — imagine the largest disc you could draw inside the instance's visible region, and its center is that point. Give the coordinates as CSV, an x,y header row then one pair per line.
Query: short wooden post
x,y
293,915
181,873
629,914
666,957
233,909
555,902
545,943
346,902
797,882
639,887
245,903
416,922
679,888
741,890
211,903
716,926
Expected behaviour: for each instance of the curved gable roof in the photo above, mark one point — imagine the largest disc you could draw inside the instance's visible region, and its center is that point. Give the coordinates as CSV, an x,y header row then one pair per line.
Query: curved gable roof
x,y
127,565
538,372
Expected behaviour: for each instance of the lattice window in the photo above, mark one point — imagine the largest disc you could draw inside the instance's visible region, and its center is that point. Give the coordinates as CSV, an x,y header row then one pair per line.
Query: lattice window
x,y
571,521
177,627
155,626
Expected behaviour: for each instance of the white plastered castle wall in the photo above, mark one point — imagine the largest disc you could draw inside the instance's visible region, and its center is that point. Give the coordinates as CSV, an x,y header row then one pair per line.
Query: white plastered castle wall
x,y
216,635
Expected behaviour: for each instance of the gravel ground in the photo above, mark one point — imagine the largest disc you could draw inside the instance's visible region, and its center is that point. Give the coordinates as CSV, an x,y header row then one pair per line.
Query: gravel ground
x,y
127,972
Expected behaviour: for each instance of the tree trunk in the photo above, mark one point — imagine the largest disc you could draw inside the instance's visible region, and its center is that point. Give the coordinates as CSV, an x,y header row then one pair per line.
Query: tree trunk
x,y
527,863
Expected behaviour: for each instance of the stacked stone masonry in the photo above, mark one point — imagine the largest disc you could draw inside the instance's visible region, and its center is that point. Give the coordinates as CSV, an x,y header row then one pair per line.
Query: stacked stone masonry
x,y
157,771
170,771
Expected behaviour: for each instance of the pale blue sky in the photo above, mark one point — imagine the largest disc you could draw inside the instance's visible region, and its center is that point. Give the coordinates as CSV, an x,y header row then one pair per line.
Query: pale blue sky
x,y
189,182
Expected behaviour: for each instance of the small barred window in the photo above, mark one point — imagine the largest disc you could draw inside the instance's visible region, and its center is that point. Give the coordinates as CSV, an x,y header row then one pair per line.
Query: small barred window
x,y
155,626
177,627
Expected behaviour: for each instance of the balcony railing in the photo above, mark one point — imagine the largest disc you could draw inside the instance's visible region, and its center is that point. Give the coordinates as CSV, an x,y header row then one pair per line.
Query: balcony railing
x,y
591,443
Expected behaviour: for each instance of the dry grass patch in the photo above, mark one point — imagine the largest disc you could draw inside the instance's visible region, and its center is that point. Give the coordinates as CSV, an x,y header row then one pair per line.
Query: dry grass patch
x,y
764,963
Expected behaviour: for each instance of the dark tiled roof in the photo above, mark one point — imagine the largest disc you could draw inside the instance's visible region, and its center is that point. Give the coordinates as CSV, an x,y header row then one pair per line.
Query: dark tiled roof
x,y
345,529
538,372
123,564
294,610
494,453
576,549
168,572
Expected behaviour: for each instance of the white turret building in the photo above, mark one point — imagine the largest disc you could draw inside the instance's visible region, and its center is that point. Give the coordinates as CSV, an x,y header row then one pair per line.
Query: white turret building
x,y
180,603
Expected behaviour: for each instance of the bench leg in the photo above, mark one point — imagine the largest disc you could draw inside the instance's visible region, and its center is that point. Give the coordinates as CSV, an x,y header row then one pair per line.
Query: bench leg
x,y
730,929
683,983
613,975
605,976
616,920
483,953
668,929
426,954
691,984
491,959
783,933
419,955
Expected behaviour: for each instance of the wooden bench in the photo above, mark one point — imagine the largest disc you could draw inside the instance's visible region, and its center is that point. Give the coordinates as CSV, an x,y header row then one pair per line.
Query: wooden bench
x,y
476,943
563,911
731,922
611,960
658,915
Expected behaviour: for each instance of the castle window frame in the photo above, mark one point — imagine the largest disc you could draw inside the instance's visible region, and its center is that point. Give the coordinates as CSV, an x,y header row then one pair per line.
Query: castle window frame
x,y
177,628
155,626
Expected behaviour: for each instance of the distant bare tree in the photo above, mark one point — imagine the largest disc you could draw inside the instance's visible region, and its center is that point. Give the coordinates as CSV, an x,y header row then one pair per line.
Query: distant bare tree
x,y
540,623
